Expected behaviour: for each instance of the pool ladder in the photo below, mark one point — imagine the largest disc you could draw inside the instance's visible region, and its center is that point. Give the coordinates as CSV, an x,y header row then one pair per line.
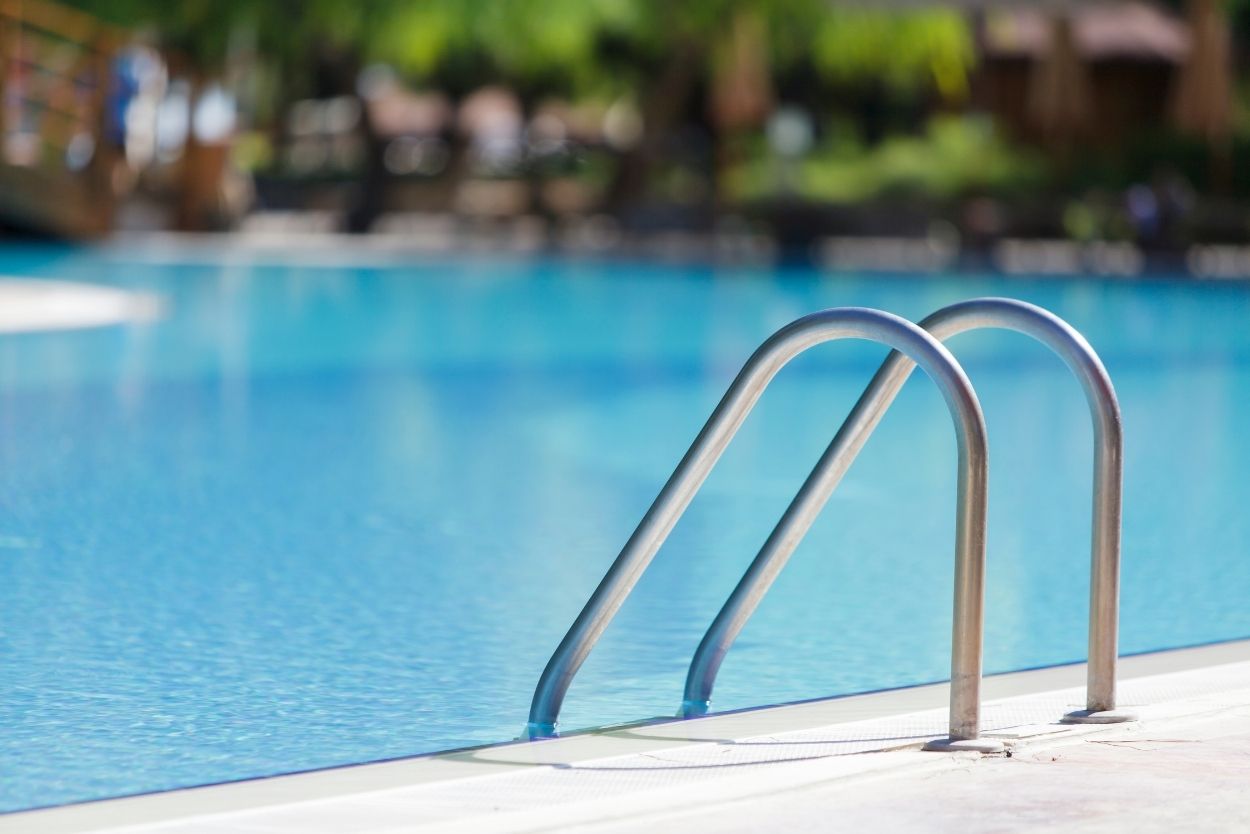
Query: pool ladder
x,y
912,345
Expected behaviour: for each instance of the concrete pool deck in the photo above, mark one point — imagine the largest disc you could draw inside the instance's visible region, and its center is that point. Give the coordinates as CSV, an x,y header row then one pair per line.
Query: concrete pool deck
x,y
1185,764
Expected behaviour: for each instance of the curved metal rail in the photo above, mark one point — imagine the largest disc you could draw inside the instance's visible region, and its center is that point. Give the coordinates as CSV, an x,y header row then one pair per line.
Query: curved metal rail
x,y
843,323
1002,313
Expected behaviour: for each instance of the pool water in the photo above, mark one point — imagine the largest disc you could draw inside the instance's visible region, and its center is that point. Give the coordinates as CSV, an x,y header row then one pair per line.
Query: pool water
x,y
336,510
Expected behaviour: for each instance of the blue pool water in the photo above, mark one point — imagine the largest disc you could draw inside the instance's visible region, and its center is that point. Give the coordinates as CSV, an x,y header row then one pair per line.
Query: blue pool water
x,y
327,513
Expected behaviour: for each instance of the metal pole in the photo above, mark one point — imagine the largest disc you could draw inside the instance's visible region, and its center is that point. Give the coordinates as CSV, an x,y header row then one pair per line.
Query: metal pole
x,y
780,348
872,405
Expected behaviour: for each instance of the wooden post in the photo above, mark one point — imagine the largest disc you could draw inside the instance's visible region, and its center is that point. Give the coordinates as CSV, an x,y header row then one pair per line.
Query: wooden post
x,y
100,172
8,48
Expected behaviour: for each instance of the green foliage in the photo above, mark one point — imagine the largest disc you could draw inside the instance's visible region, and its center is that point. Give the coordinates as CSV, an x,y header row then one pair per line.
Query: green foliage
x,y
903,51
562,41
516,40
200,31
954,156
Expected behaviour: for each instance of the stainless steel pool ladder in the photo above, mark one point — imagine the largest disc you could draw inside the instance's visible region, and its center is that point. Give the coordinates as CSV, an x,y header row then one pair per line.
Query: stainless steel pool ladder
x,y
967,639
1002,313
800,335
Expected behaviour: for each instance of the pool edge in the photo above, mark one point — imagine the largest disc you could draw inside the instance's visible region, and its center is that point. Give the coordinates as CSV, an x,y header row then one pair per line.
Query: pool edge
x,y
620,740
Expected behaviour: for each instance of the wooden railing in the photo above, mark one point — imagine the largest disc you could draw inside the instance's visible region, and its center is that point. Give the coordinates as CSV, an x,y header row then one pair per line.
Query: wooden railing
x,y
56,155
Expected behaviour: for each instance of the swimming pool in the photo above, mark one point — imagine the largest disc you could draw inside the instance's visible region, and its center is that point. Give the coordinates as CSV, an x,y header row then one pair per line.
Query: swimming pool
x,y
333,512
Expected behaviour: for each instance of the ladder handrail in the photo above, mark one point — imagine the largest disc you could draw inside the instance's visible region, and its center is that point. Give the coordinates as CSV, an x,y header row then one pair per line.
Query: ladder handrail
x,y
768,359
1001,313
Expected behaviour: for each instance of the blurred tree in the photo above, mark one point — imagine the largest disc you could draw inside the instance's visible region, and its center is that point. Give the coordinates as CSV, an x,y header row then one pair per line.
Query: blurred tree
x,y
199,32
1203,101
906,52
659,54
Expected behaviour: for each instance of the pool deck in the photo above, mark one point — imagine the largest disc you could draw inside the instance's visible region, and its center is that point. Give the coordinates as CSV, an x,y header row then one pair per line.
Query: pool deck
x,y
1184,765
1177,773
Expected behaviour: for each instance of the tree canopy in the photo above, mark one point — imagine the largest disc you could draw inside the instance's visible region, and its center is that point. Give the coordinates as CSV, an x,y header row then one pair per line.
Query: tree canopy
x,y
581,46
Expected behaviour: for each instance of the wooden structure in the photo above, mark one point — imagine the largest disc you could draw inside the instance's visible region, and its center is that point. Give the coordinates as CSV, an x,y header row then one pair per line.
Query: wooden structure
x,y
1124,56
56,154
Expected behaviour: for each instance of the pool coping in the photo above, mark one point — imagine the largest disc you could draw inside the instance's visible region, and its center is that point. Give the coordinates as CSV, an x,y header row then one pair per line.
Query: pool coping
x,y
643,737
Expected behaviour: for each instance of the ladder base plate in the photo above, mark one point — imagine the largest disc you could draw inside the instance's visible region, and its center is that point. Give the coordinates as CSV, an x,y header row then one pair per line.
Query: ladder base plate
x,y
965,745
